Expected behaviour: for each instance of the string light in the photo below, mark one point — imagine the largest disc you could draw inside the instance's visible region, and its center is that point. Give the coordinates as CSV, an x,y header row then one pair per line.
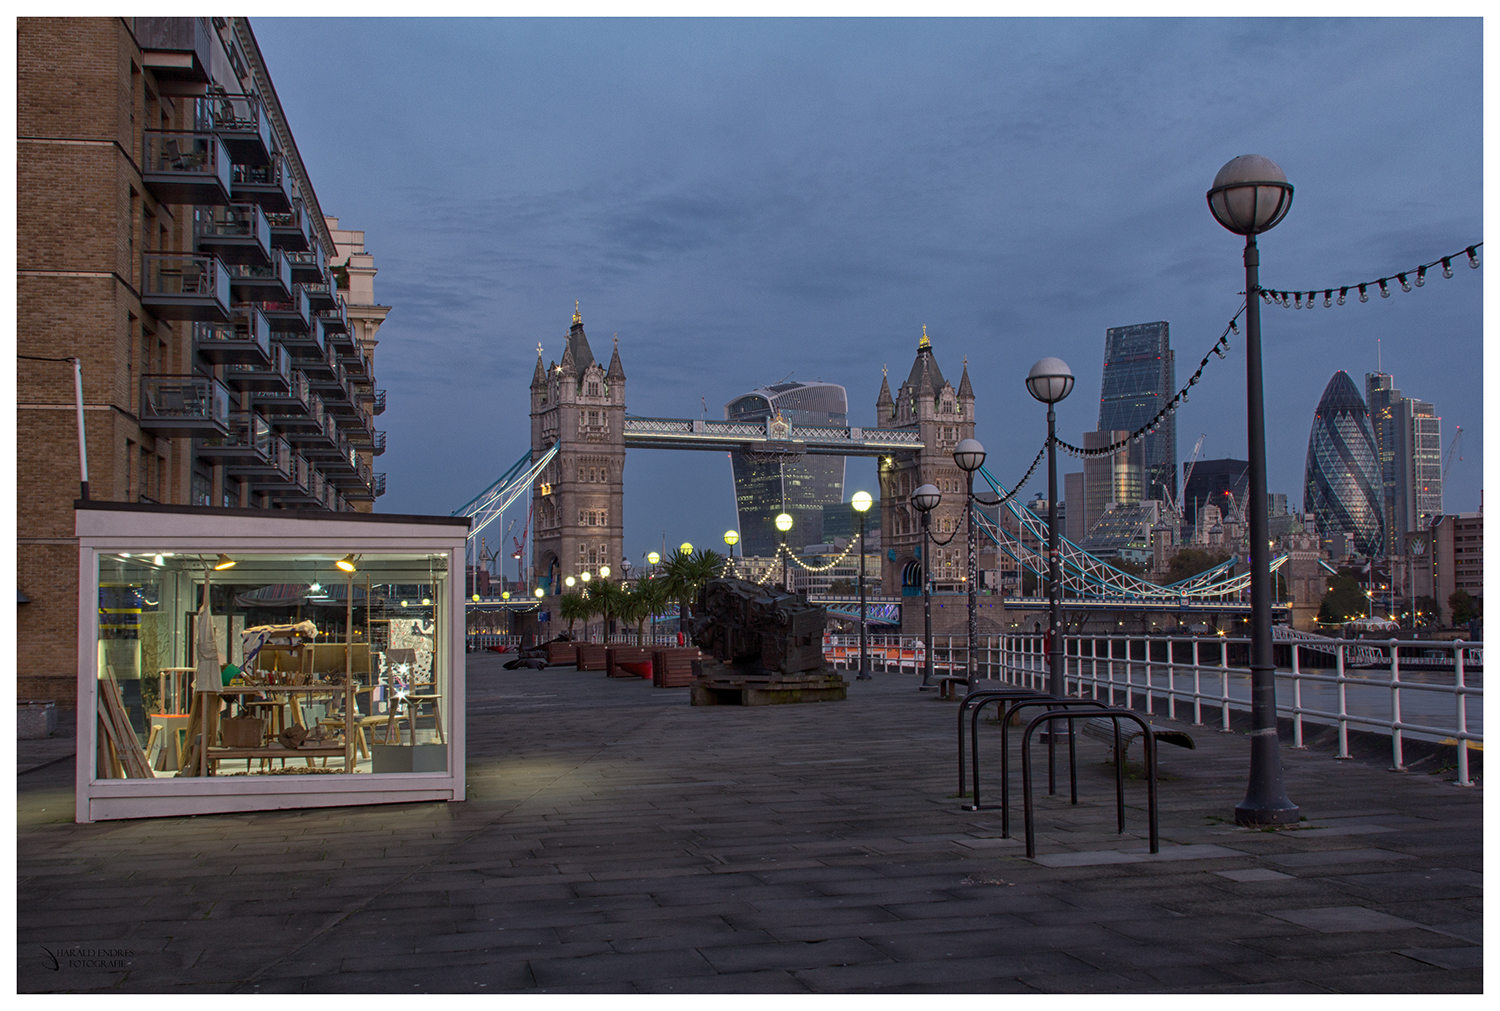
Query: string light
x,y
1296,300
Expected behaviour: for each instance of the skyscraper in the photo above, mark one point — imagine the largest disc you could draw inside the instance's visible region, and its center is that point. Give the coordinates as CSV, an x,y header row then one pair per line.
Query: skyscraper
x,y
1140,376
1409,447
765,486
1343,472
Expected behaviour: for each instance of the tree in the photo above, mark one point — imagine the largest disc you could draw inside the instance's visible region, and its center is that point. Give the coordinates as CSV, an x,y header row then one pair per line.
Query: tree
x,y
648,598
686,575
605,599
1344,601
1465,606
573,607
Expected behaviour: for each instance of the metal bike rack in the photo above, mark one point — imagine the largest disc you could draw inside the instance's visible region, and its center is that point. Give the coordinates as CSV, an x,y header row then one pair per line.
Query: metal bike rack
x,y
1149,743
979,698
1054,703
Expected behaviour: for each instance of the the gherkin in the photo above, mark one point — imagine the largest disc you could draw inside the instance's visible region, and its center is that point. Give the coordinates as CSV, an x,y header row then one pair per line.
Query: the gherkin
x,y
1343,472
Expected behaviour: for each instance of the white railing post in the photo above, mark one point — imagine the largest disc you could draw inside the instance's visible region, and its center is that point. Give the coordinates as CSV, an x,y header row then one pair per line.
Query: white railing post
x,y
1171,681
1197,687
1396,756
1463,719
1296,697
1129,675
1338,651
1224,684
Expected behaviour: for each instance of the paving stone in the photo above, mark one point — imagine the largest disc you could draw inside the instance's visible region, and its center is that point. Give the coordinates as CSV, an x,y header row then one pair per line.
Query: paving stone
x,y
591,859
1466,957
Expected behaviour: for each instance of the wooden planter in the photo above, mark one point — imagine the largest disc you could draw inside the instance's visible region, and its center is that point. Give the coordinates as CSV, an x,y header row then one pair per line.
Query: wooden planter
x,y
592,656
638,657
562,654
673,668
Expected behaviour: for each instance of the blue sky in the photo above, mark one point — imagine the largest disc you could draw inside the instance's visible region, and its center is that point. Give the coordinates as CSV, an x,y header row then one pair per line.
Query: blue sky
x,y
740,199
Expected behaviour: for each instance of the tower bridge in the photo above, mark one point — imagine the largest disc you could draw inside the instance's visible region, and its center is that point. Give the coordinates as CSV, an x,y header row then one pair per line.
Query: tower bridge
x,y
573,476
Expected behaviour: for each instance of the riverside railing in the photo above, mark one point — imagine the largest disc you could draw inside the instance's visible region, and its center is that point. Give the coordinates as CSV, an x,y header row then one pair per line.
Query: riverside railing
x,y
1421,689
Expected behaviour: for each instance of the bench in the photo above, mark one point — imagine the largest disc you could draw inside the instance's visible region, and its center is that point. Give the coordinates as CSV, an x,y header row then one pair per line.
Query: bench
x,y
562,654
946,683
629,662
673,668
592,656
1103,729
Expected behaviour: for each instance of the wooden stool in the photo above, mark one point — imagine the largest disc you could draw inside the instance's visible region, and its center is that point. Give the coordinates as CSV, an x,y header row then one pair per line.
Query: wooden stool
x,y
412,704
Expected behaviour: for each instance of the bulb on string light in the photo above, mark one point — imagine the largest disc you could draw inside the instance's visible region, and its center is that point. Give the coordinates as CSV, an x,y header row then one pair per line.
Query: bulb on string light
x,y
1447,267
1298,297
1342,293
1328,299
1233,328
1265,296
1384,291
1193,380
1473,252
1405,284
1364,296
1421,276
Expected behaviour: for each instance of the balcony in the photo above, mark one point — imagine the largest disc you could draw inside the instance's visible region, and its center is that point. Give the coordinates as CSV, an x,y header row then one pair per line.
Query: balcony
x,y
291,314
377,446
314,426
322,295
271,283
240,122
380,484
186,168
184,405
290,229
336,319
238,233
287,407
272,377
379,407
322,442
245,448
268,185
245,339
357,368
309,266
175,48
320,368
309,341
278,469
185,286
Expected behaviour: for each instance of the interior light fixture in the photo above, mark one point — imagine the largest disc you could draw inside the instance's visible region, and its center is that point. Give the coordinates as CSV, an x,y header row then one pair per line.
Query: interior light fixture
x,y
159,560
426,601
224,562
316,587
346,563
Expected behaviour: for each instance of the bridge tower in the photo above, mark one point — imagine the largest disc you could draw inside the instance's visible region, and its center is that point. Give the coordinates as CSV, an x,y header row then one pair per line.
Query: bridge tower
x,y
943,415
579,499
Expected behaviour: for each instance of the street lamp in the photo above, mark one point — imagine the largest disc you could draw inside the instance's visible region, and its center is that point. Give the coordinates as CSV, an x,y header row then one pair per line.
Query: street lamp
x,y
925,499
1049,381
969,455
1250,195
861,503
731,538
784,523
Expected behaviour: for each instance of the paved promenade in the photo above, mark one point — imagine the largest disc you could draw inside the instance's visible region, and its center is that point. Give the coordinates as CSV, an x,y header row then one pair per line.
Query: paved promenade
x,y
618,840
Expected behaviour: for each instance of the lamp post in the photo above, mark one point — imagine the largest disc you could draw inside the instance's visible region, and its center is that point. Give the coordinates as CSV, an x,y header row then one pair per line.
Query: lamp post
x,y
1049,381
925,499
969,455
731,538
1250,195
784,523
861,503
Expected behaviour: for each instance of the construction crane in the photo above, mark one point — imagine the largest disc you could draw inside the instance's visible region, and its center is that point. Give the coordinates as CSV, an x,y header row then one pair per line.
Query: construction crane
x,y
1458,438
1177,503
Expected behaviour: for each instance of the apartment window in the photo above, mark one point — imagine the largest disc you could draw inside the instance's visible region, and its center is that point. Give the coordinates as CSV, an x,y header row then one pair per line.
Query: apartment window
x,y
203,488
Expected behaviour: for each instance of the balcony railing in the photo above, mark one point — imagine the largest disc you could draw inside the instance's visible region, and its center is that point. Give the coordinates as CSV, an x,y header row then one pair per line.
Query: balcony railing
x,y
377,446
279,467
290,313
185,286
186,168
285,407
321,294
290,229
269,283
238,233
184,405
380,484
240,122
245,447
307,423
336,319
268,185
379,407
245,339
309,266
270,379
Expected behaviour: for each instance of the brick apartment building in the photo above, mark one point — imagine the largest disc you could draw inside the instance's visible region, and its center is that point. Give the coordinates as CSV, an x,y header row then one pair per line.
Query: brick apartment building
x,y
169,239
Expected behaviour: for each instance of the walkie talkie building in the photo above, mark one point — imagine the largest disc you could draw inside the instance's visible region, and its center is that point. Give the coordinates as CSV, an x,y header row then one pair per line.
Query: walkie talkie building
x,y
800,486
1343,471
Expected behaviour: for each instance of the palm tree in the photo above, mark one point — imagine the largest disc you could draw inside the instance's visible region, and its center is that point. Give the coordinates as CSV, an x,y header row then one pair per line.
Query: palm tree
x,y
647,599
685,576
605,599
573,606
